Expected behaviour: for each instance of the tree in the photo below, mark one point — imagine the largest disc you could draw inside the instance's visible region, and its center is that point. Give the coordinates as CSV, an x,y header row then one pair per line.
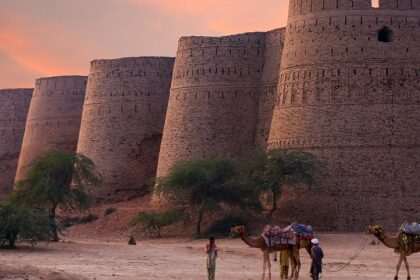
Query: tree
x,y
28,223
274,169
203,185
59,179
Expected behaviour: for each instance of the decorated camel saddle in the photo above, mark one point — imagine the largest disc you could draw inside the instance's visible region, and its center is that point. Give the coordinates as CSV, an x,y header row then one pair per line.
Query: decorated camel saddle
x,y
413,228
302,232
275,235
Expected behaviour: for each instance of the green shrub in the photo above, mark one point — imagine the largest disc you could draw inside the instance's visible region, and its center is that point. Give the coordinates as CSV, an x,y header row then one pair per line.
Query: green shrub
x,y
109,211
23,222
222,227
153,222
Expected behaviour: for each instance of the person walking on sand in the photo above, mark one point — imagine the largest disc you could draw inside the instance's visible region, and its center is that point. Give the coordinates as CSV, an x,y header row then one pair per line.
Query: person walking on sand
x,y
317,255
284,264
211,253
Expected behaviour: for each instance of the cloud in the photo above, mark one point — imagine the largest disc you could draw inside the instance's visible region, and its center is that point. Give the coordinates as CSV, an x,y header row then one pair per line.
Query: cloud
x,y
50,37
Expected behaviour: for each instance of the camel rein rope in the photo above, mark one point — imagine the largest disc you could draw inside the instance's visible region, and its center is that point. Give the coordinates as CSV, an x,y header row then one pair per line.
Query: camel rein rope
x,y
356,254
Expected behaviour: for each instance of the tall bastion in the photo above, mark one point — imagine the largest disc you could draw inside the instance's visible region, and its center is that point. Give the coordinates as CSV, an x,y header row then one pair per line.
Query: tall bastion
x,y
122,123
54,116
222,96
349,92
14,106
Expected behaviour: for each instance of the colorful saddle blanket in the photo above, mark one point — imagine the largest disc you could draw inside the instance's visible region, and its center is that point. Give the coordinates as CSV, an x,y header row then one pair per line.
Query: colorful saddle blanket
x,y
278,236
302,231
413,228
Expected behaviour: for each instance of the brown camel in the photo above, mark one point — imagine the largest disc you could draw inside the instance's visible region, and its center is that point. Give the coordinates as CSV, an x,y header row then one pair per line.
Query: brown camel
x,y
260,243
396,243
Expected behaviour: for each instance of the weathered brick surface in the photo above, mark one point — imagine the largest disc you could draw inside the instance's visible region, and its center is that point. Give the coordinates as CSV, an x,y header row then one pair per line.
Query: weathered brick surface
x,y
214,105
14,105
355,102
123,119
54,117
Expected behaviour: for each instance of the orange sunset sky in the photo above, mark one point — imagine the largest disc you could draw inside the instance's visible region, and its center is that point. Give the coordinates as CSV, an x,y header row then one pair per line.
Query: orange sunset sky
x,y
41,38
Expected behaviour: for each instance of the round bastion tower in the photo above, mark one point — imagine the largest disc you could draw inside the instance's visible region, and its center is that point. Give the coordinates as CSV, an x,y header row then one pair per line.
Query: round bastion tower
x,y
123,119
54,117
213,104
349,92
14,106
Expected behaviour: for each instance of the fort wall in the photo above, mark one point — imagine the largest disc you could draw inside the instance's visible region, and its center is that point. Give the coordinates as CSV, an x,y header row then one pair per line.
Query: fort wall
x,y
54,117
349,91
274,43
123,117
220,97
14,106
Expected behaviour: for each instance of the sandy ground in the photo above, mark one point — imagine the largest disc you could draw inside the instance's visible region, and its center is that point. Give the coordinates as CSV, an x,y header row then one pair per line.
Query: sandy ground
x,y
183,259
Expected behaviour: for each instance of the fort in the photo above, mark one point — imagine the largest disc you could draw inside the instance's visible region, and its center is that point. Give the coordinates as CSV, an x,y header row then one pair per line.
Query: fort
x,y
222,96
341,80
53,120
123,117
14,106
349,92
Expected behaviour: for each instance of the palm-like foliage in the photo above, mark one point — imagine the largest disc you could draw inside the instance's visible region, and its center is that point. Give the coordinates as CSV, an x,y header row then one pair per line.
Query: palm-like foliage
x,y
202,185
59,179
26,222
271,171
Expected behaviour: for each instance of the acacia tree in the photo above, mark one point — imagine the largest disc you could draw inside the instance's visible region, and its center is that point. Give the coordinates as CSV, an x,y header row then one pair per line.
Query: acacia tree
x,y
204,185
274,169
24,222
59,179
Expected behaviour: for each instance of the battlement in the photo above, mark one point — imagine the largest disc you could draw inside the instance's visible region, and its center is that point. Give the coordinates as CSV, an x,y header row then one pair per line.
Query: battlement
x,y
245,39
304,7
61,82
150,63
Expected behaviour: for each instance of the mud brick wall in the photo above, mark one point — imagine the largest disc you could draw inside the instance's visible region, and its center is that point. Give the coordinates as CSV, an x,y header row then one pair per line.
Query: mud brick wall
x,y
123,119
14,106
54,117
354,101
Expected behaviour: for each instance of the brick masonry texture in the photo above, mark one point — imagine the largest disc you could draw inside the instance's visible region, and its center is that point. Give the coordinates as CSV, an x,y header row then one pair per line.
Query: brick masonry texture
x,y
355,102
54,117
123,119
222,96
14,106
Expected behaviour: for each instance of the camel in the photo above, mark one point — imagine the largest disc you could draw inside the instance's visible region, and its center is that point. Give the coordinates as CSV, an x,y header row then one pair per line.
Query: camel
x,y
394,242
260,243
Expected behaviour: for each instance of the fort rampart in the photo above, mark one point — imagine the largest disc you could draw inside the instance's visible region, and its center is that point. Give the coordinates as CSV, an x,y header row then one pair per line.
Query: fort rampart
x,y
349,91
14,106
215,96
54,117
123,117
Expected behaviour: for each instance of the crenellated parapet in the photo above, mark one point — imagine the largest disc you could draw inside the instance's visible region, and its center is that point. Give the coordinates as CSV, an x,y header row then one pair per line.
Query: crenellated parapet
x,y
54,116
14,105
123,117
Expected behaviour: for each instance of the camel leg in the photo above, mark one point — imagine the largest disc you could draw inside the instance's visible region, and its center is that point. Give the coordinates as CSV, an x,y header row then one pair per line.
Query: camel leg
x,y
298,263
407,267
269,265
398,266
264,265
293,263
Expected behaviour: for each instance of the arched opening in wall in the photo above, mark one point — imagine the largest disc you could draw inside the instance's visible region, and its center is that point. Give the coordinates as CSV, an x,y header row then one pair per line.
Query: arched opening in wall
x,y
375,3
385,35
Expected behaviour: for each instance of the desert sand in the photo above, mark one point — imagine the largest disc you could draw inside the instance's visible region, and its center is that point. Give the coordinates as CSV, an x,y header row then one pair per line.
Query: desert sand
x,y
184,259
